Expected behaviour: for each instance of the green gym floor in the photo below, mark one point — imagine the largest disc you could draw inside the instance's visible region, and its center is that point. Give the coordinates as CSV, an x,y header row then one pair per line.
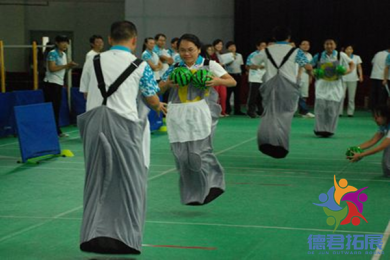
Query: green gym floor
x,y
267,211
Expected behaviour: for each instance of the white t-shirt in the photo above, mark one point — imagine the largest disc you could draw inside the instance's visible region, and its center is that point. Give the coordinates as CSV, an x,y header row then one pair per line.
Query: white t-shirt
x,y
378,65
255,76
278,52
353,76
235,66
56,77
305,77
123,101
90,55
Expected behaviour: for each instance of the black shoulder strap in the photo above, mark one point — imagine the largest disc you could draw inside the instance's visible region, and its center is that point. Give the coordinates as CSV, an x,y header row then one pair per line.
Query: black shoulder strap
x,y
118,82
132,67
287,56
338,55
99,75
269,56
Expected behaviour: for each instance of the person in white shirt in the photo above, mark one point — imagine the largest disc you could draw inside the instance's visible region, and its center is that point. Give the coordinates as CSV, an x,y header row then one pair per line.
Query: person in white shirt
x,y
350,81
329,88
116,140
304,81
151,57
234,69
386,73
57,65
255,79
97,45
378,93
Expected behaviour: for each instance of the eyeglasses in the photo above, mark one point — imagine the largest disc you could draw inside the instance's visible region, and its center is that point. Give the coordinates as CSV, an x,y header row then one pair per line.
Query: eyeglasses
x,y
189,51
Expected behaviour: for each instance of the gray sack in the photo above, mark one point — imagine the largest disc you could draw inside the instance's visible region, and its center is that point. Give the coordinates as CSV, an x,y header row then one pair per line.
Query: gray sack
x,y
280,99
115,180
201,175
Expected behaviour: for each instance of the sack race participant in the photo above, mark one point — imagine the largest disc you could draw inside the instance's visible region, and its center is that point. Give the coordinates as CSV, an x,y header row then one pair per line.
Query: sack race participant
x,y
193,114
331,66
280,93
116,141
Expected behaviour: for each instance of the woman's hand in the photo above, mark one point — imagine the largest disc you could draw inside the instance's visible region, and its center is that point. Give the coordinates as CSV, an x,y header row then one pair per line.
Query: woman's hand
x,y
215,81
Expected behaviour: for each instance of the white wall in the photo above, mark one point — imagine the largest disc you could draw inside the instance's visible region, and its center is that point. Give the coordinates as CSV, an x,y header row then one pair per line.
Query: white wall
x,y
12,31
208,19
83,18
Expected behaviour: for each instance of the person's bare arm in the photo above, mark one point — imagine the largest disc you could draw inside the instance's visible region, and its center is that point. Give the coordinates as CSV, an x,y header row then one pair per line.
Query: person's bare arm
x,y
385,143
225,80
153,66
385,75
360,71
53,67
155,104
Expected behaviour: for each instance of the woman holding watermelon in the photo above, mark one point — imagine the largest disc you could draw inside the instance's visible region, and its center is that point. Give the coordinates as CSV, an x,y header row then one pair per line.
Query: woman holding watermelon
x,y
192,117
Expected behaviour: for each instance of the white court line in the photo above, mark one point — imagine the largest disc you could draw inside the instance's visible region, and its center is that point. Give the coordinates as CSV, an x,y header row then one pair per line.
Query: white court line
x,y
290,157
38,225
260,227
210,224
305,177
234,146
384,241
225,150
64,213
284,169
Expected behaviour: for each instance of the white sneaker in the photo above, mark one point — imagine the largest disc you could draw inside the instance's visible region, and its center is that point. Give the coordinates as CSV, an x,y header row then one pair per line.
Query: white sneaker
x,y
309,115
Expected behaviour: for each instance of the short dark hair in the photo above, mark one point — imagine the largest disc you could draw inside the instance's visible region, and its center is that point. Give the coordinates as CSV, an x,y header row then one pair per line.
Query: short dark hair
x,y
382,110
269,40
229,43
303,40
94,37
175,39
62,38
281,33
191,38
159,35
348,45
330,39
123,30
216,41
259,42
